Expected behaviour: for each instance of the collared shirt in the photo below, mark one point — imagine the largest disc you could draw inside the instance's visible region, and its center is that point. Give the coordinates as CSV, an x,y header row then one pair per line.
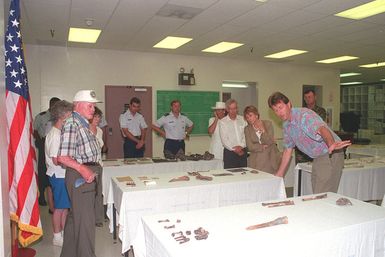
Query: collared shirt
x,y
77,141
216,146
302,131
42,123
320,111
134,123
174,127
52,143
232,132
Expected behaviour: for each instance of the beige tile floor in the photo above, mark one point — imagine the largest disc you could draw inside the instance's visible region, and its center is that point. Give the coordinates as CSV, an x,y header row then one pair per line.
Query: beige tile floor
x,y
105,246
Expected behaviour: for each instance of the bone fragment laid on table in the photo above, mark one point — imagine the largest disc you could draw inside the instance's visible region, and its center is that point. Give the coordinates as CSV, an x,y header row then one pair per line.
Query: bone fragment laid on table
x,y
277,221
201,177
168,227
182,178
277,204
343,201
223,174
166,220
201,233
317,197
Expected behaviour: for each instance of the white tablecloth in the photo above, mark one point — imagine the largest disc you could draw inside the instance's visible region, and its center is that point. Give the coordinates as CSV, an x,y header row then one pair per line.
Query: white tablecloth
x,y
133,203
317,228
368,150
118,168
363,183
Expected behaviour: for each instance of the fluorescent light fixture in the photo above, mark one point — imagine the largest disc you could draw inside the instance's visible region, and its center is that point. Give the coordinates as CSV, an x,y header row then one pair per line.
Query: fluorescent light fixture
x,y
373,65
338,59
83,35
222,47
364,11
350,74
172,42
382,79
235,84
286,53
351,83
262,1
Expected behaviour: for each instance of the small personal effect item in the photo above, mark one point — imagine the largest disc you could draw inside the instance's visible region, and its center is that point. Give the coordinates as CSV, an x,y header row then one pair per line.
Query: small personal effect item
x,y
81,181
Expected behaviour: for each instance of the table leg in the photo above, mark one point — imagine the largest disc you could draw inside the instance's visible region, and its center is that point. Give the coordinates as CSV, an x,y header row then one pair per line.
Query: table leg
x,y
114,222
299,182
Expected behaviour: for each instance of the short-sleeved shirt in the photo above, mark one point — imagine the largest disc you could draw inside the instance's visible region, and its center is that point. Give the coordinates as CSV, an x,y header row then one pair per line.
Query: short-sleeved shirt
x,y
232,132
42,120
302,131
174,127
134,123
52,143
77,141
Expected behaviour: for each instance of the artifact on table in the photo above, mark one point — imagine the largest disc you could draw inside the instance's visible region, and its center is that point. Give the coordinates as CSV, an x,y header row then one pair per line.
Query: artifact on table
x,y
223,174
166,220
201,233
182,178
130,161
343,201
317,197
168,154
180,155
208,156
254,171
277,204
237,170
199,176
168,227
129,181
158,160
277,221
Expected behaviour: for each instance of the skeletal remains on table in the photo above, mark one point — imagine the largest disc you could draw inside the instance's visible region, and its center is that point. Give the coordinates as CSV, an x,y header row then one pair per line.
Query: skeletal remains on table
x,y
277,204
182,178
223,174
201,234
181,237
343,201
317,197
277,221
199,176
180,155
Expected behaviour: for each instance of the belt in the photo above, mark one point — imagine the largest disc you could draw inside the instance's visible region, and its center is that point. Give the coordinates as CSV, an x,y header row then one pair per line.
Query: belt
x,y
91,163
175,140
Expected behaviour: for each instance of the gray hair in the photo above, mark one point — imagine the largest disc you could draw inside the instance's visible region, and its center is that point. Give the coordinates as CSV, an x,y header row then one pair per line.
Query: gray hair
x,y
229,102
60,109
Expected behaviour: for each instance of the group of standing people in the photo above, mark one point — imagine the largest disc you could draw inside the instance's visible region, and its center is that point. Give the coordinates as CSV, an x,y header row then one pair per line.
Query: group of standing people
x,y
72,152
249,140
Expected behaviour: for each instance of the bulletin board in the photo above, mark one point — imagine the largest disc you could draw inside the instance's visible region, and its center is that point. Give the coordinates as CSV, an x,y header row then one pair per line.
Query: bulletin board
x,y
196,105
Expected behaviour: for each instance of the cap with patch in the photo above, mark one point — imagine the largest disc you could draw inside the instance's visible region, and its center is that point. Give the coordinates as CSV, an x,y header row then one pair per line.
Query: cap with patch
x,y
86,96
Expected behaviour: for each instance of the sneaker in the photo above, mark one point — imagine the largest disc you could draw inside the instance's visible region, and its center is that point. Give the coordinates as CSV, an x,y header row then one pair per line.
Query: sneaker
x,y
58,241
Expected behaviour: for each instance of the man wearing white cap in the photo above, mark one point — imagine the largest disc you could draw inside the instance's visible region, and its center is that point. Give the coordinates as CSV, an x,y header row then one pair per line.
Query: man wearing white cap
x,y
216,146
78,152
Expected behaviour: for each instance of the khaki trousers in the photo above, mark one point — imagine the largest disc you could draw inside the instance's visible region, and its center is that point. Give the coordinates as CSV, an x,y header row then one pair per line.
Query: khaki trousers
x,y
79,230
326,172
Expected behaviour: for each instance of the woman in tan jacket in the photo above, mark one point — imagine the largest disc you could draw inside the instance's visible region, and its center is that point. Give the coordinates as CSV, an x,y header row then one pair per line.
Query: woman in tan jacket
x,y
259,134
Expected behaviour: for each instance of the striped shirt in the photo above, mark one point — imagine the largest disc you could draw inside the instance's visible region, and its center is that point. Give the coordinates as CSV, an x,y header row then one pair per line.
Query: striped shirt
x,y
77,141
302,131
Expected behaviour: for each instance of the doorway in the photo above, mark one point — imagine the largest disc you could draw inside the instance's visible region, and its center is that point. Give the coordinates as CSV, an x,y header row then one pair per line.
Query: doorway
x,y
117,100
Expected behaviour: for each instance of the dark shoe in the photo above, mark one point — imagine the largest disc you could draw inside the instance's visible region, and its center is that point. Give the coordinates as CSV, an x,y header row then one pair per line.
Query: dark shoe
x,y
99,224
49,211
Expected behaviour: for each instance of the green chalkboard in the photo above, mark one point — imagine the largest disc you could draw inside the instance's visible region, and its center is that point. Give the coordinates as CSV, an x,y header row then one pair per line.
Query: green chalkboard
x,y
196,105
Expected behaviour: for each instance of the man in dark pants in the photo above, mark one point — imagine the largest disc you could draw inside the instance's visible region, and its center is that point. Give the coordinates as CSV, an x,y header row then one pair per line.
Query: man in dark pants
x,y
231,131
41,126
78,152
310,99
176,128
134,128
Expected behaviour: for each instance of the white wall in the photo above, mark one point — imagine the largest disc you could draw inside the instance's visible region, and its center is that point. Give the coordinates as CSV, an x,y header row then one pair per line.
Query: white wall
x,y
61,71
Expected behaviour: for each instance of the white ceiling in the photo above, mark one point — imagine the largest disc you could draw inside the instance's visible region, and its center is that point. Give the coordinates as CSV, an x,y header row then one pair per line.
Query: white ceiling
x,y
264,28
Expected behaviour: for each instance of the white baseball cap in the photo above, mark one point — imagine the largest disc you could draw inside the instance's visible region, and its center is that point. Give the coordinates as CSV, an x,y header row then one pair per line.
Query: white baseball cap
x,y
219,105
86,96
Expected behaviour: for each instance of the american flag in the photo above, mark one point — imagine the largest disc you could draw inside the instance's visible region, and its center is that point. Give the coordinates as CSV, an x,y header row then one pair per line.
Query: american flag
x,y
22,178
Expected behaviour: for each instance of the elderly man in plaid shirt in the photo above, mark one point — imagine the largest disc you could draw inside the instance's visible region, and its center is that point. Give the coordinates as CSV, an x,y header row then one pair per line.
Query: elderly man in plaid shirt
x,y
78,152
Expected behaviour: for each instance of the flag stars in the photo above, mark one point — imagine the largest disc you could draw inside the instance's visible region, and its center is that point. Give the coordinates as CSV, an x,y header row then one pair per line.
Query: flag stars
x,y
14,73
18,34
14,48
22,70
8,63
15,23
18,84
19,59
11,12
9,37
